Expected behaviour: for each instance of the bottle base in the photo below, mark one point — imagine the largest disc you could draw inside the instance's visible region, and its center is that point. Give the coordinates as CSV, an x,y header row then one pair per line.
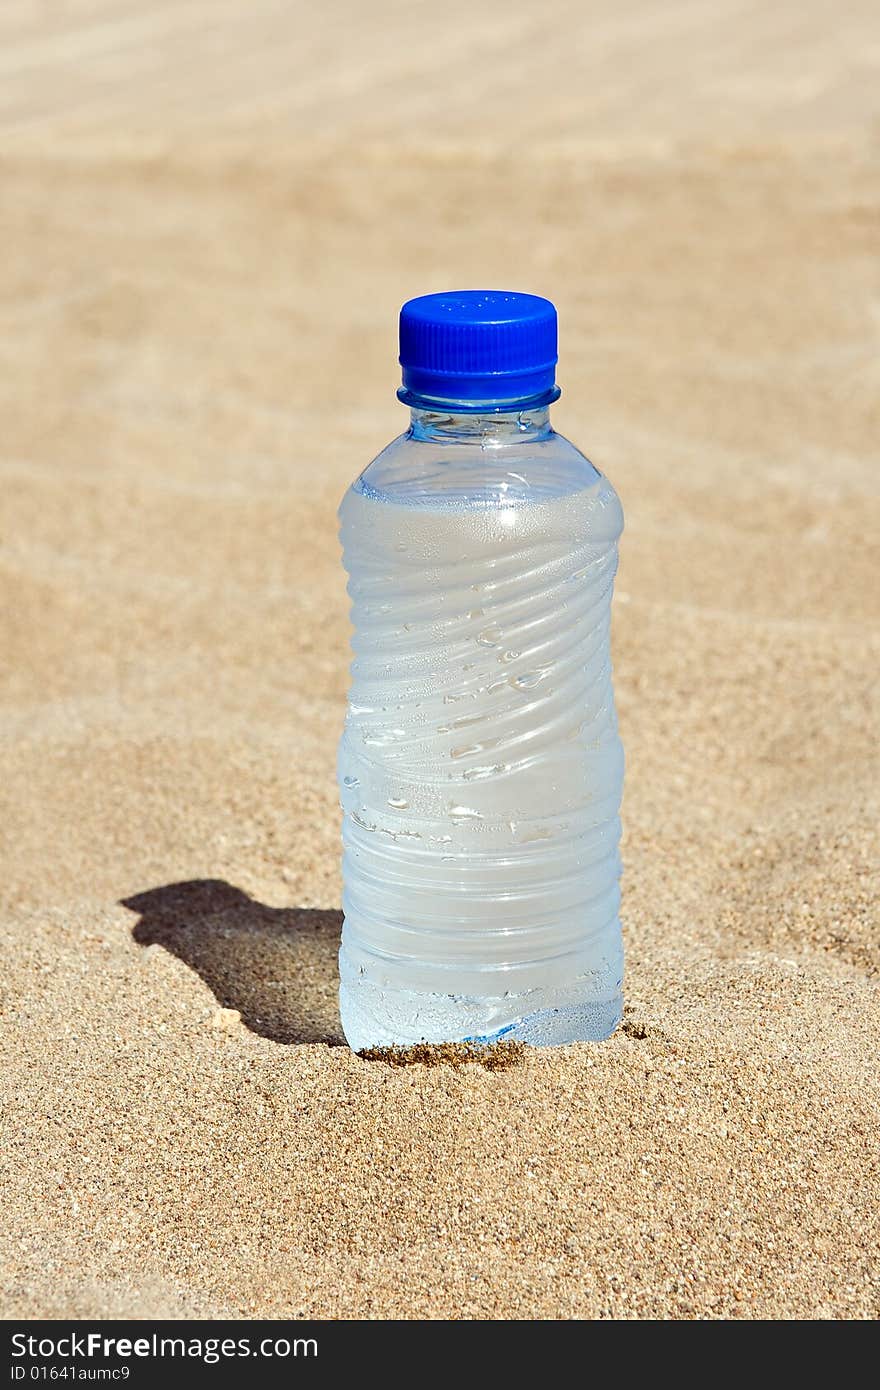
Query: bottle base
x,y
381,1017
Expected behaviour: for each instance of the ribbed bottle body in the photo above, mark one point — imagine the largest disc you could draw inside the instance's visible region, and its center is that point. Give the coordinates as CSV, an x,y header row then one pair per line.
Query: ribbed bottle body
x,y
480,767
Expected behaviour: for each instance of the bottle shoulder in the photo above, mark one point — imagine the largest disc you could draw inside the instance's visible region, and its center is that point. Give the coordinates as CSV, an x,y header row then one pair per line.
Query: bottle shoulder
x,y
412,470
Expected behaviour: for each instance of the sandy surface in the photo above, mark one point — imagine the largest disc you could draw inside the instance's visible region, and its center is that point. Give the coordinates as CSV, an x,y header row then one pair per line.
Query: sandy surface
x,y
209,215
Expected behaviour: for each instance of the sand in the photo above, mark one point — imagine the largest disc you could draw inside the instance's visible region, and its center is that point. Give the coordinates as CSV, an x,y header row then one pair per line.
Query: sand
x,y
210,214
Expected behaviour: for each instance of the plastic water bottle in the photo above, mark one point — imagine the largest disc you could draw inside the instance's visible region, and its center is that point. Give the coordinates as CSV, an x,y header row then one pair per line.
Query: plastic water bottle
x,y
480,768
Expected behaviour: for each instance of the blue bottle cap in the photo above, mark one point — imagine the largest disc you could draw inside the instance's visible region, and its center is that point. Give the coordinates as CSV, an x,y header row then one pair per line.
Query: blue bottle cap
x,y
478,350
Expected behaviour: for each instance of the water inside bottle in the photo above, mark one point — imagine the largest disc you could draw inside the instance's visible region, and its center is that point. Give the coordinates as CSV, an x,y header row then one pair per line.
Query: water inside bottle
x,y
480,768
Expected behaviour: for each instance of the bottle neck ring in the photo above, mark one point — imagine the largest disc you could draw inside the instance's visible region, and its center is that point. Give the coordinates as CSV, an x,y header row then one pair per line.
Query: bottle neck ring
x,y
513,405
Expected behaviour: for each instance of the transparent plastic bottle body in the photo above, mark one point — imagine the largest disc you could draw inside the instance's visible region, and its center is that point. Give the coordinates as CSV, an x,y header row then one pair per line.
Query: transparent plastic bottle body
x,y
480,768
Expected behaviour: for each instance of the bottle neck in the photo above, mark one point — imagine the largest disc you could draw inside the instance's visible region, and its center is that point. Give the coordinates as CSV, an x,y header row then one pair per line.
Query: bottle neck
x,y
493,429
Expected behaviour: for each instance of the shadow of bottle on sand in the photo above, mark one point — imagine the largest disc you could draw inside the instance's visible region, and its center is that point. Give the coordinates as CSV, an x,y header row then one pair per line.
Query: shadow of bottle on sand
x,y
277,966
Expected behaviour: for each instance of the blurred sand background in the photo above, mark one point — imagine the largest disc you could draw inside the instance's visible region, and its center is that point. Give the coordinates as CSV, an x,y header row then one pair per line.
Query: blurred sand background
x,y
210,214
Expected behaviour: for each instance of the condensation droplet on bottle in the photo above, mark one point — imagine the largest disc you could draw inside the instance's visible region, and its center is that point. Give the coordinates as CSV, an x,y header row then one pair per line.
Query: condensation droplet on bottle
x,y
490,636
472,774
539,833
464,720
397,803
383,738
351,781
467,748
528,680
